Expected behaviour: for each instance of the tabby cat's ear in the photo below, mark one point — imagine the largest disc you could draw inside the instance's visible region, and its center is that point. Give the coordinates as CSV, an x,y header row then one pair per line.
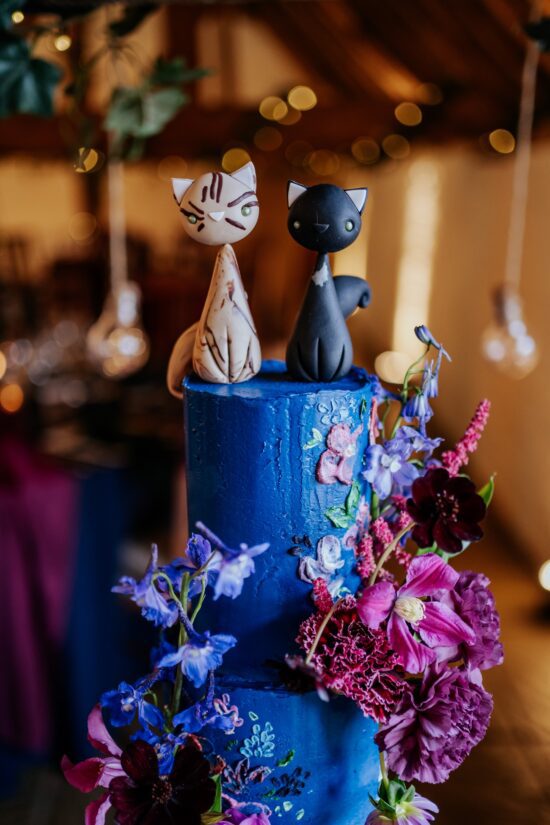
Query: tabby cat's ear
x,y
246,175
294,190
359,197
180,187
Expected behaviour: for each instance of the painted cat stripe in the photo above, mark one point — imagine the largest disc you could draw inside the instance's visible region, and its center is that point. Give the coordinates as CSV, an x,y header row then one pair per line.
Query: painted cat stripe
x,y
212,185
241,198
235,223
220,187
204,193
196,208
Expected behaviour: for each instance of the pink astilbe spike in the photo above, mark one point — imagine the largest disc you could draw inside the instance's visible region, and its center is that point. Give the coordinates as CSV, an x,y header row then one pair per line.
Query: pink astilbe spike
x,y
454,460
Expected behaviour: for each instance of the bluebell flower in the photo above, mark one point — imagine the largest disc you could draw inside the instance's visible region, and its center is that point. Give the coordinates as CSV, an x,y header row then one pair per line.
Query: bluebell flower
x,y
230,566
199,550
387,467
209,712
199,655
156,606
128,701
417,407
426,337
417,441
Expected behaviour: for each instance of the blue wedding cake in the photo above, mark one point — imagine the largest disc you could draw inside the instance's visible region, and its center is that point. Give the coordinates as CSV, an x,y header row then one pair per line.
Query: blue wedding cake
x,y
274,459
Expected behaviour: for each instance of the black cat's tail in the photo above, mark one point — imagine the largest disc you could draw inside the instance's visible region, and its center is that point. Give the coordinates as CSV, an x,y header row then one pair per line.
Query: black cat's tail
x,y
352,292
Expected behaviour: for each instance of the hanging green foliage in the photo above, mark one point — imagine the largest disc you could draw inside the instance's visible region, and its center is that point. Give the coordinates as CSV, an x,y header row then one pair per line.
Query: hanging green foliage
x,y
27,84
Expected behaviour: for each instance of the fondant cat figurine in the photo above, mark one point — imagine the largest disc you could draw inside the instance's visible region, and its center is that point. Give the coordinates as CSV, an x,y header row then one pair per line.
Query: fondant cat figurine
x,y
223,347
325,218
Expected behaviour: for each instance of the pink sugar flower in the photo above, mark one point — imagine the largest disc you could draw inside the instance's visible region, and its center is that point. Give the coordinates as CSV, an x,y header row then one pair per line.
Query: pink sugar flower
x,y
453,460
408,615
233,816
336,463
96,772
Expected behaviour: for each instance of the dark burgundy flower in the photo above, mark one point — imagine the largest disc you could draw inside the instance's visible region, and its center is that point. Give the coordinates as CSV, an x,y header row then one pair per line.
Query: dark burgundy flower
x,y
447,510
146,798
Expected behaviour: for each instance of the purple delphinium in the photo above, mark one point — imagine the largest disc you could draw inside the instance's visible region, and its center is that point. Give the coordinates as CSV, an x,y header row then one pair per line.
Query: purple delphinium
x,y
416,628
472,600
208,712
156,606
231,566
199,655
388,468
436,725
416,441
417,406
235,816
127,701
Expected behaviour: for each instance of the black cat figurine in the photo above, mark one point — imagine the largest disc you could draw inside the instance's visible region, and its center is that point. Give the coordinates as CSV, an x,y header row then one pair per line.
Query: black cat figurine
x,y
325,218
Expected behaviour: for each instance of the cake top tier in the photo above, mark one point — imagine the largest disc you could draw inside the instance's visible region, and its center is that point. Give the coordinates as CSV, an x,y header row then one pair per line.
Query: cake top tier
x,y
274,381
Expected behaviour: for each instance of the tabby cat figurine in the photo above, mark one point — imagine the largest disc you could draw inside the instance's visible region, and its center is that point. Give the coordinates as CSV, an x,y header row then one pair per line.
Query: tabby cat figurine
x,y
223,347
325,218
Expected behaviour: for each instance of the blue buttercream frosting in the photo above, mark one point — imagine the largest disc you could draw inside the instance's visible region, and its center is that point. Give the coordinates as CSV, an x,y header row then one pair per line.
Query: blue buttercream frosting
x,y
259,456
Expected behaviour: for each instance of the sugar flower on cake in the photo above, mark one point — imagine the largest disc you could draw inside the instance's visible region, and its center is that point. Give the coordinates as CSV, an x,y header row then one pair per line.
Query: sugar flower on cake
x,y
98,771
210,712
337,461
155,606
472,600
145,795
129,702
436,725
326,565
446,510
201,654
235,816
409,616
400,804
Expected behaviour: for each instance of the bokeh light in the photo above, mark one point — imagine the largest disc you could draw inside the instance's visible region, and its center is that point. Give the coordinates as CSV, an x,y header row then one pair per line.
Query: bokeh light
x,y
11,398
234,158
88,160
365,150
82,227
544,575
268,139
291,117
62,42
409,114
3,365
17,17
302,98
396,147
502,141
429,93
391,366
297,152
273,108
323,162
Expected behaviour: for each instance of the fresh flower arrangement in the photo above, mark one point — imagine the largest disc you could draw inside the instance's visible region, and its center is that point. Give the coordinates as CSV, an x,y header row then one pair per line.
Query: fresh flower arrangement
x,y
410,645
163,773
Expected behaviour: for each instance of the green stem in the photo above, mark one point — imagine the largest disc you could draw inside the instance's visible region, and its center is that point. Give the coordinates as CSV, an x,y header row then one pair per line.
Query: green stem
x,y
387,553
321,630
199,603
409,373
176,697
374,506
384,770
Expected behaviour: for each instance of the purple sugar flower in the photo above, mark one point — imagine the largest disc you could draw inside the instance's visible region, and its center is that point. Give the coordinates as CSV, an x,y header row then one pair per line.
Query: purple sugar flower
x,y
230,566
388,466
199,655
436,725
127,702
234,816
156,606
409,616
472,600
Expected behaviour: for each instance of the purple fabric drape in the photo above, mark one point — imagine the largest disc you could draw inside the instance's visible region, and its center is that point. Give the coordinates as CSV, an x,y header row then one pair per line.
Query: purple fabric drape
x,y
37,547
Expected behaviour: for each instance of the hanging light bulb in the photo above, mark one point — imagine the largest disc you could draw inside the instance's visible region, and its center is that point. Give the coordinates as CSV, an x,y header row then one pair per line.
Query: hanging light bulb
x,y
117,342
506,343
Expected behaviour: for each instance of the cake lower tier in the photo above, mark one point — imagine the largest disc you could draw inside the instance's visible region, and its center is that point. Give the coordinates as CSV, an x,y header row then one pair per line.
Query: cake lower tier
x,y
306,760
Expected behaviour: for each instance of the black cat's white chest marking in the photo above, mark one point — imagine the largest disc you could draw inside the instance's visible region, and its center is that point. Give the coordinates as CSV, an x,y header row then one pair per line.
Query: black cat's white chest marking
x,y
321,275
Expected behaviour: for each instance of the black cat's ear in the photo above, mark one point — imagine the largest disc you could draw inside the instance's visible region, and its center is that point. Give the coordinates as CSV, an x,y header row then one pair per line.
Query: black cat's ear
x,y
294,190
359,197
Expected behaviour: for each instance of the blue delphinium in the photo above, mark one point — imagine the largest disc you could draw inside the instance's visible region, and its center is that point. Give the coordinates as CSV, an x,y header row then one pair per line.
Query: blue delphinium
x,y
165,745
201,654
417,442
388,468
231,566
417,406
127,702
156,606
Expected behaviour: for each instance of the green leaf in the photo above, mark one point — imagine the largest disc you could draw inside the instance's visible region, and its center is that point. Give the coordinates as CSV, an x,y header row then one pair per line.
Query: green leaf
x,y
132,17
363,407
217,804
317,438
140,114
174,72
27,84
352,501
487,492
339,517
282,763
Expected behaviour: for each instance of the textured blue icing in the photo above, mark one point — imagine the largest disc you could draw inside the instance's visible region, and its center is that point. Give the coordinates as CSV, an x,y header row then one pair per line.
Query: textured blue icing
x,y
332,759
250,478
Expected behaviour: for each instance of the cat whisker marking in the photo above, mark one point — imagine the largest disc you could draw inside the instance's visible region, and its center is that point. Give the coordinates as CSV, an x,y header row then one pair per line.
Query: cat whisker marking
x,y
235,223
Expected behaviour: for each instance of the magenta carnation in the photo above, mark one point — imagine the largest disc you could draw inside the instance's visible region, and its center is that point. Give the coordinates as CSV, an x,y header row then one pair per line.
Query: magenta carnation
x,y
355,661
475,604
436,726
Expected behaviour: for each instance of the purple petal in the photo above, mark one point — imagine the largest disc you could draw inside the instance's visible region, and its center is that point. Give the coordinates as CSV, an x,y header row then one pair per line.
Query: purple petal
x,y
442,626
96,811
375,603
413,655
426,575
99,736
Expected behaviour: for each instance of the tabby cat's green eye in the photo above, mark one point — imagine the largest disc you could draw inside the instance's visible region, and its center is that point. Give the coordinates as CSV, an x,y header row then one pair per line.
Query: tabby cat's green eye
x,y
246,210
192,218
348,226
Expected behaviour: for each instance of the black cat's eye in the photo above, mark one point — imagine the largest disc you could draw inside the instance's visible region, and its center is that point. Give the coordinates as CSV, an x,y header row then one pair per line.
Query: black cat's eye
x,y
192,218
348,226
296,224
246,210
